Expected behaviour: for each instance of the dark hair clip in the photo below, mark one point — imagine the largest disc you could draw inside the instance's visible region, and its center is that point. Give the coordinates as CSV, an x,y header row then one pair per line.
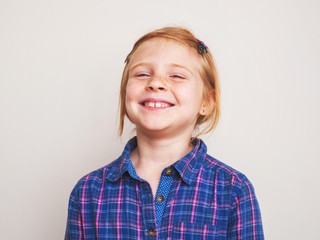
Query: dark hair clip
x,y
202,47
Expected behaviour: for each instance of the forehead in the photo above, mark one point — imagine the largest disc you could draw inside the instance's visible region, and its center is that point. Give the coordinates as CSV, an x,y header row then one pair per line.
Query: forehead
x,y
167,51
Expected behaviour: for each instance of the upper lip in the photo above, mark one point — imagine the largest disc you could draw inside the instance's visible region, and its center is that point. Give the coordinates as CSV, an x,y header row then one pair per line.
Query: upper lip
x,y
156,100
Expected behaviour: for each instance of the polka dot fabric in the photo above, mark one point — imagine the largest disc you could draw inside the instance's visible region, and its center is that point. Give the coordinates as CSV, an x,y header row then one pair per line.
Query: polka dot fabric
x,y
163,189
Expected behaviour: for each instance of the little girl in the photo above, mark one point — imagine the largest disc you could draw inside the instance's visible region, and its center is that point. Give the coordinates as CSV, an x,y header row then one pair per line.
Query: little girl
x,y
165,185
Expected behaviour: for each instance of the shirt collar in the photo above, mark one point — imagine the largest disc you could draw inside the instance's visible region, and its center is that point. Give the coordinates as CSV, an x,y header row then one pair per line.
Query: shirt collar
x,y
187,167
122,164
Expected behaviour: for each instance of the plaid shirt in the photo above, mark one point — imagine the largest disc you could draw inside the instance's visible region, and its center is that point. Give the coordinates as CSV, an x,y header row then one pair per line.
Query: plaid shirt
x,y
206,200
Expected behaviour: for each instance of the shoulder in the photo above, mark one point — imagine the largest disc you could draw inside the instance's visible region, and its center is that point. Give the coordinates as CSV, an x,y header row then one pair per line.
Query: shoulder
x,y
213,164
219,170
227,175
228,180
94,179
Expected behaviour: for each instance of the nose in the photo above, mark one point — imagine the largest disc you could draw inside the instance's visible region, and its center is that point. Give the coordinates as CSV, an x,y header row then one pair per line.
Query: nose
x,y
157,84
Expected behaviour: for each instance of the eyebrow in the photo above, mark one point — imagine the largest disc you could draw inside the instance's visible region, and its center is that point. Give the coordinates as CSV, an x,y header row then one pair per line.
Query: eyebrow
x,y
171,64
183,67
138,65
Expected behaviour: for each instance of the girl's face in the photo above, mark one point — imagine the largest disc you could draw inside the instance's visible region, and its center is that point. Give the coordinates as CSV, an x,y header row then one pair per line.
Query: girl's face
x,y
164,93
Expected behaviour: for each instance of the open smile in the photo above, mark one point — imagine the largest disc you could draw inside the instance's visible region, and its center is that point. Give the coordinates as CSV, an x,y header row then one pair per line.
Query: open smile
x,y
156,104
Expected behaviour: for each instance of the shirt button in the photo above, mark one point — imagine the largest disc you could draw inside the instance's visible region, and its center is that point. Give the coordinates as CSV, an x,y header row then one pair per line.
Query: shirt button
x,y
169,172
151,232
160,198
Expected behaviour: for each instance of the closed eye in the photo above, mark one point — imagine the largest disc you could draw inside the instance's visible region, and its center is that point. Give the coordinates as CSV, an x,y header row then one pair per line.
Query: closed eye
x,y
177,76
143,75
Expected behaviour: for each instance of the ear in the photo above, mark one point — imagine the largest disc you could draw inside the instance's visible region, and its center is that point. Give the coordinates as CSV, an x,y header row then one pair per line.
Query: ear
x,y
208,105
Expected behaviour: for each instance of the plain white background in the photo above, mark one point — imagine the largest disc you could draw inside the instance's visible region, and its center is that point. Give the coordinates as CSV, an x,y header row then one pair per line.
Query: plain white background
x,y
60,69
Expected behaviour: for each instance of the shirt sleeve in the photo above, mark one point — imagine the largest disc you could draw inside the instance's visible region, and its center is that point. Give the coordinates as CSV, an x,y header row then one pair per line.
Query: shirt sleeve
x,y
74,222
245,218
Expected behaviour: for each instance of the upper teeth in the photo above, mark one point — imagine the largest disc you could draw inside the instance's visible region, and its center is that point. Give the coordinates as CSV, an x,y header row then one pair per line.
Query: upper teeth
x,y
156,104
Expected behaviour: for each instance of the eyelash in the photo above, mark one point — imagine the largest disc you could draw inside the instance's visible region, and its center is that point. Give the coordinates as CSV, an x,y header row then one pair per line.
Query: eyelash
x,y
178,76
172,76
143,75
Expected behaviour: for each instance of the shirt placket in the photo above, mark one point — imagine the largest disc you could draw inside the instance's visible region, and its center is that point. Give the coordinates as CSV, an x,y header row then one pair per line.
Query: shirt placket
x,y
150,230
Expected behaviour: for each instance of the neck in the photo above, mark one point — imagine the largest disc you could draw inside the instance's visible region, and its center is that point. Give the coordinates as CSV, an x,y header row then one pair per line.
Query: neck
x,y
160,152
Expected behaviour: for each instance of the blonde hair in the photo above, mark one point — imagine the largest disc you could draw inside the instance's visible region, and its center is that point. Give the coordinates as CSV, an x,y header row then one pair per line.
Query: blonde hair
x,y
208,75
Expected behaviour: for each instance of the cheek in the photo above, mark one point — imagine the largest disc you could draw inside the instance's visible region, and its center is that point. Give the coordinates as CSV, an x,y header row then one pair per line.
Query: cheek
x,y
193,94
131,98
130,92
128,107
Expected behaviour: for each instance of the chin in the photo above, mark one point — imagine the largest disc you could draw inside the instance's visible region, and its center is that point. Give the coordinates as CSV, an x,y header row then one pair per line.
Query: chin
x,y
155,128
152,127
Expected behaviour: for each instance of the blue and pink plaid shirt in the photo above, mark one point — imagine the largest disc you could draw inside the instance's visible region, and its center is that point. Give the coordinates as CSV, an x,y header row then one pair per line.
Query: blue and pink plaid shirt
x,y
198,198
